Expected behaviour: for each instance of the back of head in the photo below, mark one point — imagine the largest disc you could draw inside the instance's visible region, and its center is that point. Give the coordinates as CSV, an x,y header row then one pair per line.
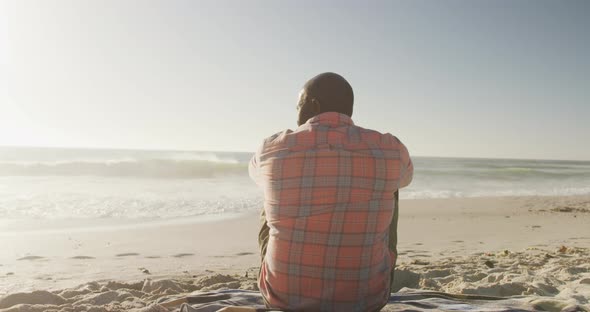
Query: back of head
x,y
332,91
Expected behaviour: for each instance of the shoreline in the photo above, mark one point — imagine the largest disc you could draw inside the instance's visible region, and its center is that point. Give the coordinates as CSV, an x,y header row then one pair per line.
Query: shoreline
x,y
12,227
19,226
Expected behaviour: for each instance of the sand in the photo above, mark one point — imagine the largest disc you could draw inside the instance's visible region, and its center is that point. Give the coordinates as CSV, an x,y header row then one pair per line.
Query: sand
x,y
534,246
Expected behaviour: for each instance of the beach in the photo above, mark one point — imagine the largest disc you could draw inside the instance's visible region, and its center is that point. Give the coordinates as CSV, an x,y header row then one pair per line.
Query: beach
x,y
502,246
140,142
117,230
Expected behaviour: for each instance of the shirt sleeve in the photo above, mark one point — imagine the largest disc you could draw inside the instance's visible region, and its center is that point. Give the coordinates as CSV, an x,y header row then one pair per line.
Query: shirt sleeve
x,y
407,168
254,167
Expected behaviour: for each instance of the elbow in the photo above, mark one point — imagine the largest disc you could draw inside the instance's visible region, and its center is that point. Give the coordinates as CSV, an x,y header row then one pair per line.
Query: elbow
x,y
406,181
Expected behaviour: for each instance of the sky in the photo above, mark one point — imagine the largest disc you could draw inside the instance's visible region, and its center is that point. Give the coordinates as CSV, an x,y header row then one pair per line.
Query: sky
x,y
492,79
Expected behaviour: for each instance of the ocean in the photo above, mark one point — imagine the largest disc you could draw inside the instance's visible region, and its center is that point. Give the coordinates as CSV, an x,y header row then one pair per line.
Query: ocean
x,y
55,183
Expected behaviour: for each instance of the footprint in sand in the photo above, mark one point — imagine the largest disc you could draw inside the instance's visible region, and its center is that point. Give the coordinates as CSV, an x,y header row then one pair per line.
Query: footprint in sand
x,y
235,255
82,257
30,258
127,254
144,271
181,255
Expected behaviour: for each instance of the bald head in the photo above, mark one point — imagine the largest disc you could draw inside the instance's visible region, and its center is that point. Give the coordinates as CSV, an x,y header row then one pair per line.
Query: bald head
x,y
327,92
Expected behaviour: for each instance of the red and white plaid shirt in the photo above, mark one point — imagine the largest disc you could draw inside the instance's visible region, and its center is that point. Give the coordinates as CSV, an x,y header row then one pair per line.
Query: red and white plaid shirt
x,y
329,189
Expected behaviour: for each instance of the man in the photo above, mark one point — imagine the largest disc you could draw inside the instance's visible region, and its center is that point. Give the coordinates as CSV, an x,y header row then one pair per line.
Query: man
x,y
330,191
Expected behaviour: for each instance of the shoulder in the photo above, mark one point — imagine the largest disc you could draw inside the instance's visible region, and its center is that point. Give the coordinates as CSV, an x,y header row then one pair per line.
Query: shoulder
x,y
276,145
277,138
385,140
391,140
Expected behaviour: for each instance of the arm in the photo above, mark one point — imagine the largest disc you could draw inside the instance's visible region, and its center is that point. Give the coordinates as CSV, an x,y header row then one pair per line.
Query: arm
x,y
253,168
406,168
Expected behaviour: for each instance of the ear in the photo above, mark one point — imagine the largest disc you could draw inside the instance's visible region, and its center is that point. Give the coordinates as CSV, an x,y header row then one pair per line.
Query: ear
x,y
316,107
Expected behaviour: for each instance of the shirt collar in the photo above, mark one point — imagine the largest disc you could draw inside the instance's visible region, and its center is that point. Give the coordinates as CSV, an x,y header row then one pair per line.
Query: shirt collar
x,y
332,119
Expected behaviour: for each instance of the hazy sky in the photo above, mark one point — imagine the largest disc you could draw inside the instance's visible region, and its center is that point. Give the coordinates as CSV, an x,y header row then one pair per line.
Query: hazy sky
x,y
449,78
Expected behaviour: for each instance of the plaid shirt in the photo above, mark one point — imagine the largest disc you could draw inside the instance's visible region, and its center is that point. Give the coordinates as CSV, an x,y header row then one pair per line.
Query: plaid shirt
x,y
329,188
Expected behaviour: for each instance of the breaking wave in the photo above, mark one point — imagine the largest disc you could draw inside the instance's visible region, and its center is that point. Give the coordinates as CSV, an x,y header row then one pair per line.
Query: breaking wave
x,y
156,168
